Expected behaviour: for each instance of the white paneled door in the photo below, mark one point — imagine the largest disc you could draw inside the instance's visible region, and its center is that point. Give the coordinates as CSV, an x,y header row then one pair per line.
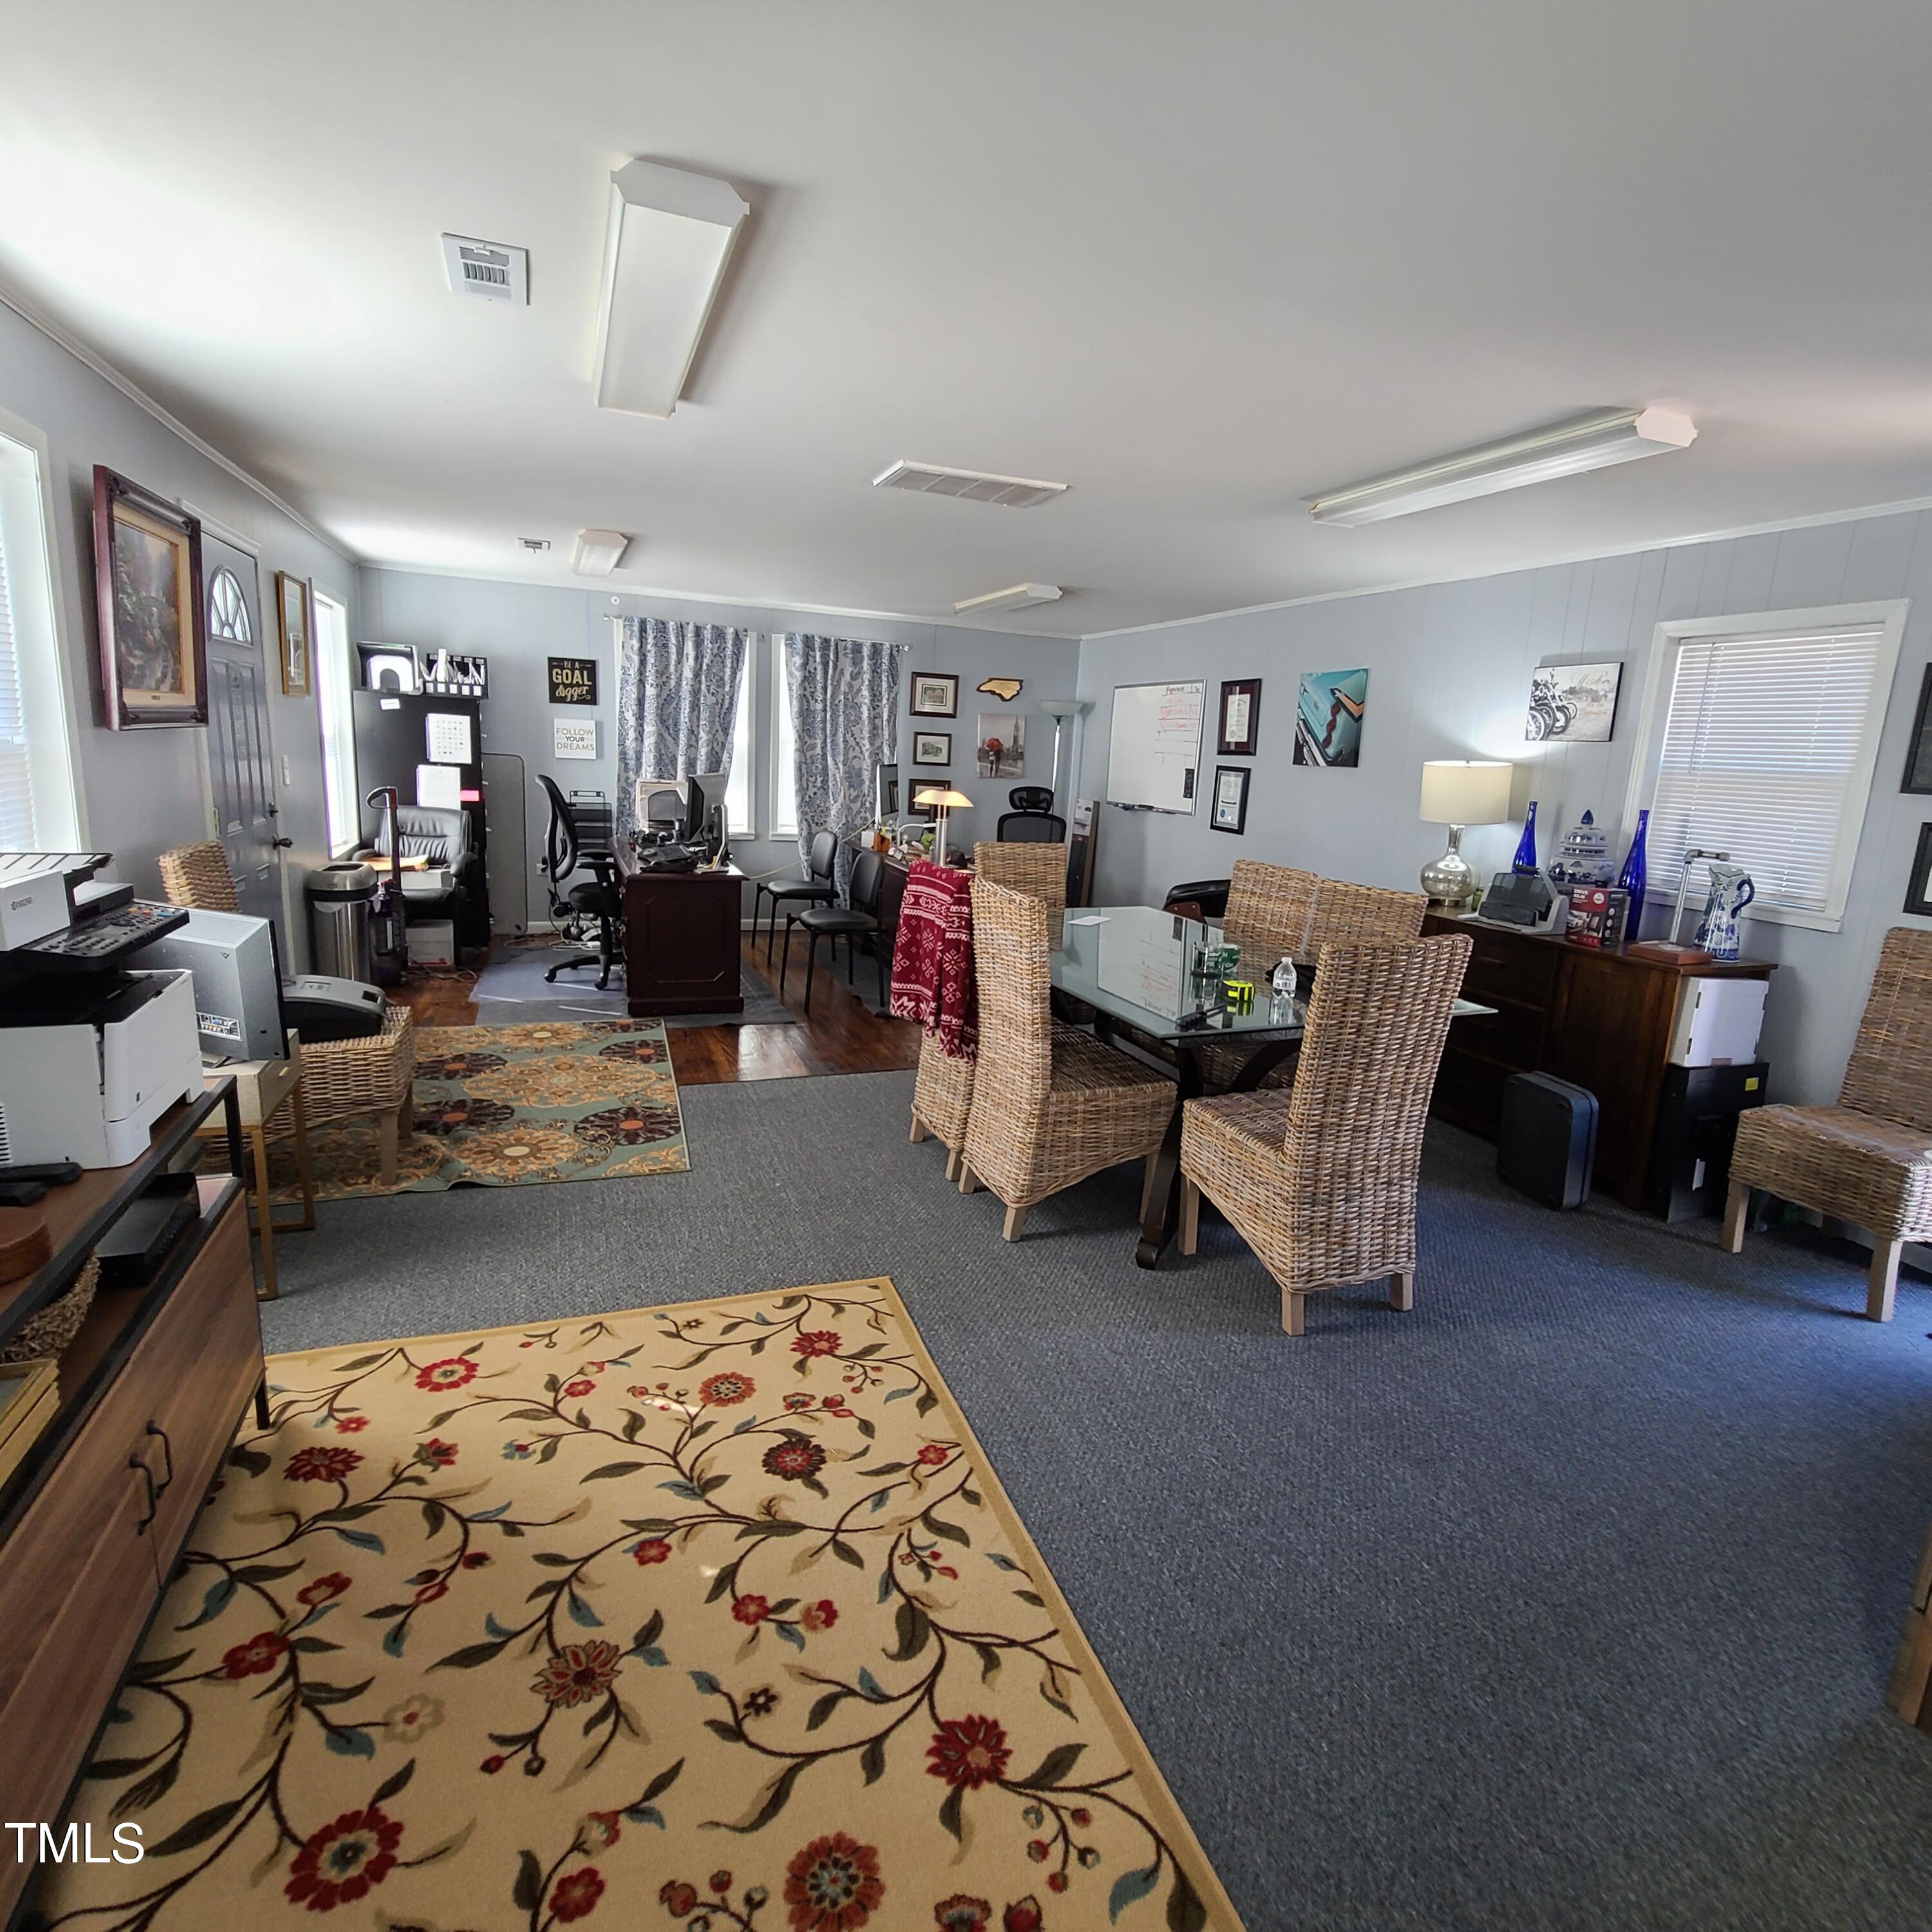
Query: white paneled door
x,y
240,756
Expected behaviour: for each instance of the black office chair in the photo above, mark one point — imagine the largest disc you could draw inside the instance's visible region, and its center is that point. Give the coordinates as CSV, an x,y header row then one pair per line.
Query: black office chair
x,y
1032,819
815,889
858,918
1199,898
573,908
441,839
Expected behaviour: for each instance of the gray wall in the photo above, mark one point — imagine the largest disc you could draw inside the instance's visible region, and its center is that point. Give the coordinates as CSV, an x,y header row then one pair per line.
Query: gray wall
x,y
1449,668
519,626
141,791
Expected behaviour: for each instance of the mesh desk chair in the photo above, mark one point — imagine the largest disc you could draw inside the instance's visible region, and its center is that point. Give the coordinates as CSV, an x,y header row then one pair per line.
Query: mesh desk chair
x,y
597,899
1032,819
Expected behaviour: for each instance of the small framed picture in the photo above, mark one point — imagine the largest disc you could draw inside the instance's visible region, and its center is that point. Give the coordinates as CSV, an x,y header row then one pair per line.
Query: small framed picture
x,y
1230,812
1918,750
1919,893
932,748
292,601
154,636
1240,718
935,694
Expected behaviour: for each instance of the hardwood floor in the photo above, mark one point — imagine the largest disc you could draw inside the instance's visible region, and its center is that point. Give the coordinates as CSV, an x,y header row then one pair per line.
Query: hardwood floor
x,y
842,1034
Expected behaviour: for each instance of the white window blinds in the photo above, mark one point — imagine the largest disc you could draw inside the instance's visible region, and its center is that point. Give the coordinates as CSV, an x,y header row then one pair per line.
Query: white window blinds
x,y
1765,756
17,789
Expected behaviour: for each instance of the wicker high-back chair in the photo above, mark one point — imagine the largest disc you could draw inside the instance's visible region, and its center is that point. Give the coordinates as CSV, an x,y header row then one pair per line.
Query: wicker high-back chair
x,y
1346,914
1269,908
1320,1180
1028,866
1868,1160
342,1079
198,875
1050,1105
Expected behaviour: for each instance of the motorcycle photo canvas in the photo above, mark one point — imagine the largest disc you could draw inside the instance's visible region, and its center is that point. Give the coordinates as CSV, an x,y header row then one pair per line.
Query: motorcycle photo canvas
x,y
1574,702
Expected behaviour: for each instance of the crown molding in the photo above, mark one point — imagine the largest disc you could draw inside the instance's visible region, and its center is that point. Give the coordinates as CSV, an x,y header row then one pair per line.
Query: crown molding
x,y
64,338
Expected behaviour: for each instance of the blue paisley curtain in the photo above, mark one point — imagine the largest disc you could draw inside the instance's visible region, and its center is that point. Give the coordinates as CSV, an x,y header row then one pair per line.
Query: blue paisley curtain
x,y
845,724
677,700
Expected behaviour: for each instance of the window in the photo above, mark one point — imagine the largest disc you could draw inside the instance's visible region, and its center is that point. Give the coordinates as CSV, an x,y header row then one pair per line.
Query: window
x,y
785,772
228,609
334,683
1760,734
738,787
39,810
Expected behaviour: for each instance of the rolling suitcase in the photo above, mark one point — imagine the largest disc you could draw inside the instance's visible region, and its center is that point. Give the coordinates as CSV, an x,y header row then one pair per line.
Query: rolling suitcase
x,y
1547,1146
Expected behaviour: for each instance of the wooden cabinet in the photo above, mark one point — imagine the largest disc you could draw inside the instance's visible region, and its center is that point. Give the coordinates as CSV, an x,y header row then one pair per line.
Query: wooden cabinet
x,y
681,938
92,1521
1601,1020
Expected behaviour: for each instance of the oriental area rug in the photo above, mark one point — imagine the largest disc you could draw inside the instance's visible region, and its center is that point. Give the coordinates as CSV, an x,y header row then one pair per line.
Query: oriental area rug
x,y
709,1615
506,1106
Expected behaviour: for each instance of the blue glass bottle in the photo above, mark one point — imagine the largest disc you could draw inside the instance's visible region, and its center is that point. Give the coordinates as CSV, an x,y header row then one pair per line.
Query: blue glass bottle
x,y
1635,876
1525,860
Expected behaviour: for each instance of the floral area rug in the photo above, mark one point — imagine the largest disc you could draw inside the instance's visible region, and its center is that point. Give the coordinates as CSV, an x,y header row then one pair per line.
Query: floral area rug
x,y
503,1106
711,1614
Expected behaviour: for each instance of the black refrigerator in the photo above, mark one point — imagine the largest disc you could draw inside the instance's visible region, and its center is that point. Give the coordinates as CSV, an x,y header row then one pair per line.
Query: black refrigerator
x,y
397,733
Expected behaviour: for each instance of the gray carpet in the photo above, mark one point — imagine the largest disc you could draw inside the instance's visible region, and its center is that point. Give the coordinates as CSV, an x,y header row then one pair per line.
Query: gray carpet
x,y
1566,1601
511,989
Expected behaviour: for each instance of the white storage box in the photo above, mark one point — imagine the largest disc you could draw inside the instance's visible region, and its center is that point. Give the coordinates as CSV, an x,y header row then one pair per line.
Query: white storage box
x,y
1717,1021
432,942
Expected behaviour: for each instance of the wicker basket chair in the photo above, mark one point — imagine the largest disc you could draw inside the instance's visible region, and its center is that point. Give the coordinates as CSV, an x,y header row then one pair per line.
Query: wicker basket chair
x,y
198,875
1269,908
1320,1181
1050,1105
1346,914
1868,1160
342,1079
942,1097
1040,871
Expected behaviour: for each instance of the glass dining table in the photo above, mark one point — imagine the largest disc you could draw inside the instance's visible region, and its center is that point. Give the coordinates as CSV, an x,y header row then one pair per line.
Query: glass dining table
x,y
1163,976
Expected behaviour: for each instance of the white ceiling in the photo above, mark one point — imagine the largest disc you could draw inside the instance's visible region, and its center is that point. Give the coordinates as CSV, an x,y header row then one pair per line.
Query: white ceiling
x,y
1197,262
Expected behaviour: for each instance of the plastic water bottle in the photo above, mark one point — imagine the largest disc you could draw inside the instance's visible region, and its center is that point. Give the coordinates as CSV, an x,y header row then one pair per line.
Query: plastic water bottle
x,y
1281,982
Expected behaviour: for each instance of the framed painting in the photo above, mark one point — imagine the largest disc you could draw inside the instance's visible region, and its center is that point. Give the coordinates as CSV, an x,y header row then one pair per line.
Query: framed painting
x,y
1918,751
1230,810
294,605
1240,730
935,694
1001,738
1576,702
932,748
1328,718
148,601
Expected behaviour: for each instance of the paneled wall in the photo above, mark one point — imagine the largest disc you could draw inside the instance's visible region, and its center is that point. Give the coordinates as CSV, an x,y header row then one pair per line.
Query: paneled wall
x,y
141,791
519,626
1449,672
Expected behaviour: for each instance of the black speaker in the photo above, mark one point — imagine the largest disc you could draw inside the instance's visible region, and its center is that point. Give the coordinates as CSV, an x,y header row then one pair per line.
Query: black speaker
x,y
1547,1147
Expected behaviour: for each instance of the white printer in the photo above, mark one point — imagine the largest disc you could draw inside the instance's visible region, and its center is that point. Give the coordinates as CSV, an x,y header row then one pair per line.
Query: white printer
x,y
89,1062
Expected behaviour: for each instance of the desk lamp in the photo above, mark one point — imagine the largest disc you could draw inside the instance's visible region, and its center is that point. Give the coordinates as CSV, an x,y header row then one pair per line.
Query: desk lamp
x,y
947,800
1456,793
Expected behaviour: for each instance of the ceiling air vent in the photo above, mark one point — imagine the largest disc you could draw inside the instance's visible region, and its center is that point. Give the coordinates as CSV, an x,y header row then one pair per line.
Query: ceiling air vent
x,y
976,486
490,271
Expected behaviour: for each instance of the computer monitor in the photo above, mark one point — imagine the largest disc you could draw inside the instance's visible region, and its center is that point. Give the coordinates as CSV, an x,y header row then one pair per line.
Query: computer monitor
x,y
701,790
660,807
886,793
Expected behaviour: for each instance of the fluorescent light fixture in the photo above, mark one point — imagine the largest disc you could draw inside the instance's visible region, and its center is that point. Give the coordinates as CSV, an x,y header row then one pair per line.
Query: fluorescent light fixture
x,y
1015,597
669,236
1593,442
598,552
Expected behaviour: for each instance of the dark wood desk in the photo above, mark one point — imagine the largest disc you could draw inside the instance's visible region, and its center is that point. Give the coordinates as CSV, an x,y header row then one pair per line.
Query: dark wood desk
x,y
681,933
1601,1020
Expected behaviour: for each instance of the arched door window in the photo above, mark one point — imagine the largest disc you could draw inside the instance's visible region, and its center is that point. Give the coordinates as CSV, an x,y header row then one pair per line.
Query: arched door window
x,y
228,609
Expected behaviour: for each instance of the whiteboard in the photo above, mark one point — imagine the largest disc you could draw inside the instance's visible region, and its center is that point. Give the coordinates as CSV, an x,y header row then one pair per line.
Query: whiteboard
x,y
1154,755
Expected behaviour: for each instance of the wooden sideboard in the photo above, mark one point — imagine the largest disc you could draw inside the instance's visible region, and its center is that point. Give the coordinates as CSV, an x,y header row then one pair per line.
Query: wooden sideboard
x,y
681,939
1601,1019
94,1518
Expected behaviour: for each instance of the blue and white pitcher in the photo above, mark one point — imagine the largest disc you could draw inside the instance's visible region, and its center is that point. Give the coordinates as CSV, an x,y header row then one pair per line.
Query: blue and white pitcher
x,y
1731,891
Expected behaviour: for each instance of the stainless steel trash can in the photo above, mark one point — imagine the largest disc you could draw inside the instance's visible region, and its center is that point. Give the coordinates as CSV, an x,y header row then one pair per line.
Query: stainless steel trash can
x,y
340,899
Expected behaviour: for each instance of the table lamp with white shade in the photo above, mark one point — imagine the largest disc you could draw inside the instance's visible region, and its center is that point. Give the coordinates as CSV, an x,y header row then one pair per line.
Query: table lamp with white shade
x,y
1457,793
945,799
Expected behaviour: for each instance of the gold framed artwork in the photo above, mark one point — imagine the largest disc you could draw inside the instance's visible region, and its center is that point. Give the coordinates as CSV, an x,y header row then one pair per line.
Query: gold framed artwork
x,y
295,606
153,632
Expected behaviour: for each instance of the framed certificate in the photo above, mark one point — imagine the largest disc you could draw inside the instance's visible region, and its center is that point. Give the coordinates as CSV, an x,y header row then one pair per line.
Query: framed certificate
x,y
1240,718
1229,812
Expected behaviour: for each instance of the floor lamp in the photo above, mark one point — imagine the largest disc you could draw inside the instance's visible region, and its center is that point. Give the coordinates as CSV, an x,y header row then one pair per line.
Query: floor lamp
x,y
1059,709
945,799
